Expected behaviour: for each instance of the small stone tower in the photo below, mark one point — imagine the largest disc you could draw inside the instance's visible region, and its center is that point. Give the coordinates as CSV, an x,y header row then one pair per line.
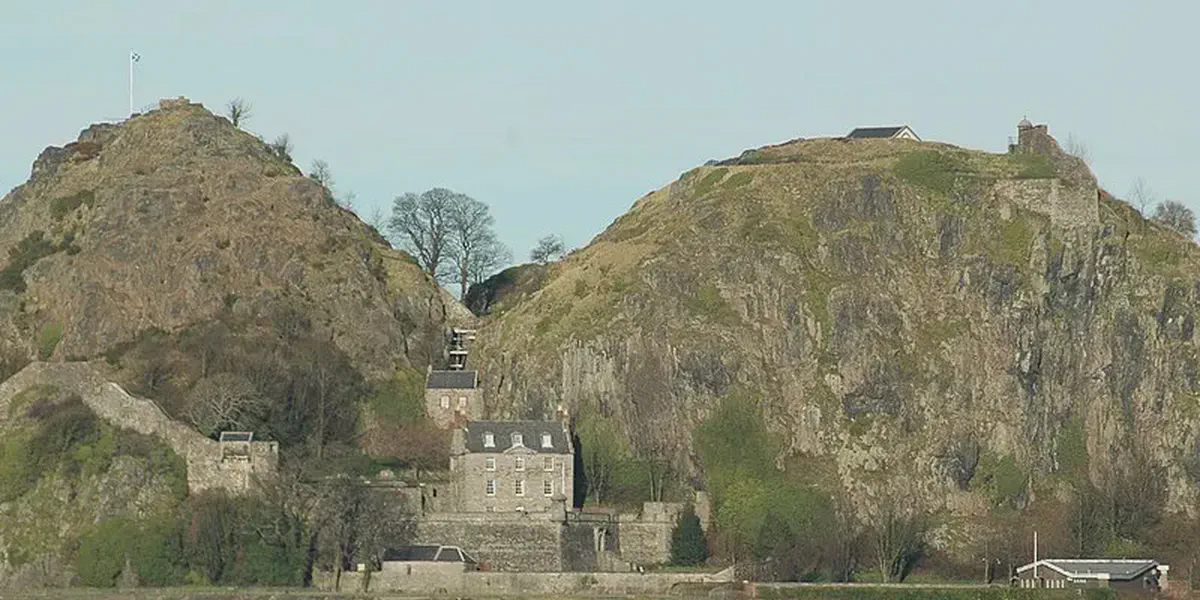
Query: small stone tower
x,y
1034,139
453,396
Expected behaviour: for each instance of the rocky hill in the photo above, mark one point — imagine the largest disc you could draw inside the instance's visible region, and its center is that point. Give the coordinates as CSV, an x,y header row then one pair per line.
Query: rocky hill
x,y
902,312
170,218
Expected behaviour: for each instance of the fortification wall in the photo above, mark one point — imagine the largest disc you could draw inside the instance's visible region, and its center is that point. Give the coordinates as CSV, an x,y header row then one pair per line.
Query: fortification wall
x,y
478,583
505,542
1067,205
206,467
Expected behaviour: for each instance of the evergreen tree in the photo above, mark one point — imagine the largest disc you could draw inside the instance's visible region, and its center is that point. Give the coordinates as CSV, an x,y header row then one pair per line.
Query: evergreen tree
x,y
687,540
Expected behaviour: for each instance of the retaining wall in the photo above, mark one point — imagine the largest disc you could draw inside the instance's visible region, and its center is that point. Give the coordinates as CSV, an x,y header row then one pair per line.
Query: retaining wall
x,y
479,583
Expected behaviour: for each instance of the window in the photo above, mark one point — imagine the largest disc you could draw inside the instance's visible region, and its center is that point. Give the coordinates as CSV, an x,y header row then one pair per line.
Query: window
x,y
519,463
489,440
519,487
489,463
547,441
548,487
491,487
445,401
547,463
518,439
462,401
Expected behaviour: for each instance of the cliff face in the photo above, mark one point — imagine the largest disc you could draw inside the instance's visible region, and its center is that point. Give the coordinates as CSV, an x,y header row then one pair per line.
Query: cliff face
x,y
903,311
169,218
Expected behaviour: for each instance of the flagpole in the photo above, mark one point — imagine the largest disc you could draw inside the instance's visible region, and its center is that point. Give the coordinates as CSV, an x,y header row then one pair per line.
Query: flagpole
x,y
131,83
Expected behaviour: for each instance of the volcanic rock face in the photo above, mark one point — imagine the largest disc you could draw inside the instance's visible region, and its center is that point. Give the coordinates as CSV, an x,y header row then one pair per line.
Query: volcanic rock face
x,y
167,219
900,310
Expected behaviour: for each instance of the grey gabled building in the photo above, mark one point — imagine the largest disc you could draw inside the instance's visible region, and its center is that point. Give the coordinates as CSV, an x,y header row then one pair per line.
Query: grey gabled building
x,y
891,132
1133,575
504,466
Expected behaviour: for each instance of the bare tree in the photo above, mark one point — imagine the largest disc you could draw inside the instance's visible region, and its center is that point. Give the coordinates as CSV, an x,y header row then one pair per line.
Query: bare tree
x,y
474,251
421,224
282,147
897,534
1176,216
349,201
344,506
321,174
377,219
1076,147
549,249
1140,195
238,111
222,401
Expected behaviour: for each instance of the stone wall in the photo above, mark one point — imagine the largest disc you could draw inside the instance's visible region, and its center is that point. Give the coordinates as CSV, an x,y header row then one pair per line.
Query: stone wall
x,y
503,541
557,540
470,474
1067,206
482,583
206,466
461,405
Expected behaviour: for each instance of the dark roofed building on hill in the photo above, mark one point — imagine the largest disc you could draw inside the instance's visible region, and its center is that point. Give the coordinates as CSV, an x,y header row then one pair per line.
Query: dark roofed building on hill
x,y
1143,575
892,132
452,397
501,466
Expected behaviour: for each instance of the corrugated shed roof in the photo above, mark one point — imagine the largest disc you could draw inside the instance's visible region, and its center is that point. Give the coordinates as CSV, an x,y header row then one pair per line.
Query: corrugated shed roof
x,y
451,380
531,436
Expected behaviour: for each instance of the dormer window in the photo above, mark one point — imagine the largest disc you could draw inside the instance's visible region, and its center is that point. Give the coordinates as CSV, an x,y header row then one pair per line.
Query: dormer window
x,y
489,440
547,441
518,439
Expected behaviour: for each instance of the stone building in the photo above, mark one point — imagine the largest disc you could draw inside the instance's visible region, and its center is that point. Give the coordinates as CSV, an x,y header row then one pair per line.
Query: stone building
x,y
505,466
452,397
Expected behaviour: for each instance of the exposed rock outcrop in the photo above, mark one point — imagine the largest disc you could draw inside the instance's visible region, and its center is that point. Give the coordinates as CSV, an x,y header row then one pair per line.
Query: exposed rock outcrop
x,y
899,308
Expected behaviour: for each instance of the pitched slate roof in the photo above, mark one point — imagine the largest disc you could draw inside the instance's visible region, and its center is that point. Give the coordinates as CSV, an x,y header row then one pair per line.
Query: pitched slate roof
x,y
531,434
451,380
1081,568
426,554
875,132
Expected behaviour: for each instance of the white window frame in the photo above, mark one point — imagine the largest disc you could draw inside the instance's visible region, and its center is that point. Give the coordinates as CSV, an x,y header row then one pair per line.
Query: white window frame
x,y
489,439
547,440
518,438
489,463
547,463
445,402
462,401
519,463
519,487
489,488
548,487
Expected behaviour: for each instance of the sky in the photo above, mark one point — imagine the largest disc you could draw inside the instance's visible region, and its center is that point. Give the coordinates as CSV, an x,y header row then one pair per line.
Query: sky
x,y
560,115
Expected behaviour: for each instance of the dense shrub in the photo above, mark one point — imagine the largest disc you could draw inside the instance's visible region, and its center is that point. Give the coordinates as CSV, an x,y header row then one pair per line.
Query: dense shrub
x,y
688,547
33,248
152,548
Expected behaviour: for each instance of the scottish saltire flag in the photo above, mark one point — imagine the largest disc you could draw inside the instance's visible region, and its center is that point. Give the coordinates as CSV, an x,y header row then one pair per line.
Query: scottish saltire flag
x,y
134,57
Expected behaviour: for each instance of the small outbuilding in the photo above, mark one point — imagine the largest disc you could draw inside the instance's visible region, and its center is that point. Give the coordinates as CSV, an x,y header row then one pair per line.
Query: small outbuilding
x,y
425,560
891,132
1141,575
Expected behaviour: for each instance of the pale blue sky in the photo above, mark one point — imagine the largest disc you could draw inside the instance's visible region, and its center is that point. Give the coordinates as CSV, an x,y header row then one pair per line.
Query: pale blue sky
x,y
561,114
